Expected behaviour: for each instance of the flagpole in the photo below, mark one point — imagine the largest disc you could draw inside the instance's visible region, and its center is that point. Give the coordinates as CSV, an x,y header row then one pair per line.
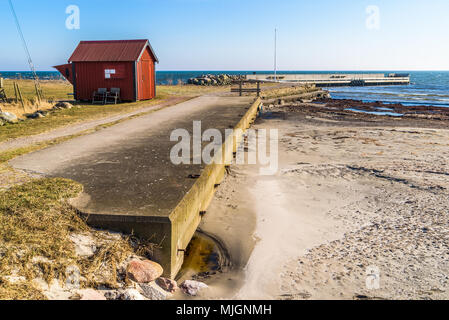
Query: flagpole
x,y
275,55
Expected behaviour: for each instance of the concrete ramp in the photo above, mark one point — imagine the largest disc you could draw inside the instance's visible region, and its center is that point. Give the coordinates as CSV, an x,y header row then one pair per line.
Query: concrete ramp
x,y
131,185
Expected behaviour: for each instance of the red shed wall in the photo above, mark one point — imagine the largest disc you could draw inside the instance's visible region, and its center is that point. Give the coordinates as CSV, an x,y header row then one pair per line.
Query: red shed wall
x,y
66,71
146,76
91,75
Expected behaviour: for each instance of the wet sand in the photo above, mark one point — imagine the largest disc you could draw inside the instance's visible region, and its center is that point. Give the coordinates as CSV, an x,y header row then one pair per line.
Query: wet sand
x,y
353,191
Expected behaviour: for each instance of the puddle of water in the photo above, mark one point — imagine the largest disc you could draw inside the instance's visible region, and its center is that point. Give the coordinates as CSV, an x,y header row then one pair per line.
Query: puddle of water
x,y
377,113
384,109
204,257
272,115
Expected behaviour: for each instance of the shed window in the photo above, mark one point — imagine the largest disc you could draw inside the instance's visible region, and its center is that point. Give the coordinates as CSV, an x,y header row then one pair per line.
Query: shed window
x,y
114,72
109,73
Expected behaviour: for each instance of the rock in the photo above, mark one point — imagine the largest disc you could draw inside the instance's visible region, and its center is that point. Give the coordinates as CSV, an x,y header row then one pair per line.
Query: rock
x,y
14,279
8,117
36,115
111,294
144,271
41,260
153,292
84,245
131,294
192,288
215,80
54,291
63,105
167,284
90,294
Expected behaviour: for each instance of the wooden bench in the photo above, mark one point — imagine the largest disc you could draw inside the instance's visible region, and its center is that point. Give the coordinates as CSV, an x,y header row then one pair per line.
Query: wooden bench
x,y
113,96
241,90
99,96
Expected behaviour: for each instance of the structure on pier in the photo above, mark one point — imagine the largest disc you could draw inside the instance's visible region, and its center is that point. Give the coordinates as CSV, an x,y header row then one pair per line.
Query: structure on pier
x,y
337,79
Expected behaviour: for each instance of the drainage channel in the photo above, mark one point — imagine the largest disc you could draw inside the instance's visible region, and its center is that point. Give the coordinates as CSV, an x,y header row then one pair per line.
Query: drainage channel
x,y
206,256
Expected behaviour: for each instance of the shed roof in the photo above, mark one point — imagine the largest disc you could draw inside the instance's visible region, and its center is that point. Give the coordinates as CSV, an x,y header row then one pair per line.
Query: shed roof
x,y
111,51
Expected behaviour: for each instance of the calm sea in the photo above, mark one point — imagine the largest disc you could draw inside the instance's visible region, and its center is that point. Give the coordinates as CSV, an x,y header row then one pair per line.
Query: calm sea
x,y
426,88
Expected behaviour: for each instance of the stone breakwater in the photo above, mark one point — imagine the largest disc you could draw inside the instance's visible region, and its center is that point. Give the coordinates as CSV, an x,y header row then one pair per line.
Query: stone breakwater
x,y
215,80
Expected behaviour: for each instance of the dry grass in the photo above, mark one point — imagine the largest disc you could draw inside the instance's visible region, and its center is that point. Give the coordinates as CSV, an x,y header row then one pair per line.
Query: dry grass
x,y
52,89
35,227
29,107
190,90
22,290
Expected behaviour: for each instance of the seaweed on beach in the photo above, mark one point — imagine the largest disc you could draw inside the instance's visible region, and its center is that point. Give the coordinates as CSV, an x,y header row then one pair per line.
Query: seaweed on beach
x,y
35,227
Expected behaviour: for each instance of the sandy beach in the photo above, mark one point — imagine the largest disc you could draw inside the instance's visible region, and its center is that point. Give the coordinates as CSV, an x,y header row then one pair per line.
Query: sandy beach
x,y
354,193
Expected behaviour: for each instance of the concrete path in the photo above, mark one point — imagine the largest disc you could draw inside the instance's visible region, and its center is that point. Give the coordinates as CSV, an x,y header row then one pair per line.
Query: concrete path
x,y
83,126
126,168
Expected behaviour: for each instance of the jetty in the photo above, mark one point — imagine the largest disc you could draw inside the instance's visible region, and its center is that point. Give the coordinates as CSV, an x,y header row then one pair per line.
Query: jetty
x,y
336,79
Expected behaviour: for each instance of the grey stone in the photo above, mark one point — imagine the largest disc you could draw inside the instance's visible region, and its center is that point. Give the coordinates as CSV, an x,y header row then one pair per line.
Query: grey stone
x,y
131,294
192,288
84,245
8,117
167,284
153,292
63,105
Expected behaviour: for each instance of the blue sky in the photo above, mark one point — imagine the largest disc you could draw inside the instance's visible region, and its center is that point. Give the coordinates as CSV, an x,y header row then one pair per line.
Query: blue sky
x,y
238,34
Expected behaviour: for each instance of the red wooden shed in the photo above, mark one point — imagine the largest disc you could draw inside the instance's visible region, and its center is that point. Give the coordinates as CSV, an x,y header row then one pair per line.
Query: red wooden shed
x,y
125,64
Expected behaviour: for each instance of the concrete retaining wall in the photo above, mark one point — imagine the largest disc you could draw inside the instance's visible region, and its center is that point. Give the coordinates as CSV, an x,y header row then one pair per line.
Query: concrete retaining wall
x,y
186,217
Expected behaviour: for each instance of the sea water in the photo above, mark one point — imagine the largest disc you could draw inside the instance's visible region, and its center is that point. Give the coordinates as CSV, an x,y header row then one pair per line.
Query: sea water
x,y
426,88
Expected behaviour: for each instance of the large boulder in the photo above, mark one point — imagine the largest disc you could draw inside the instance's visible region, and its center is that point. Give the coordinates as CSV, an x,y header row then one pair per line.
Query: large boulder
x,y
143,271
8,117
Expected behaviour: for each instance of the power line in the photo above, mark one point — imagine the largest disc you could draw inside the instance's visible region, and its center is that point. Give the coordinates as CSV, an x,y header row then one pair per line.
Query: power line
x,y
27,52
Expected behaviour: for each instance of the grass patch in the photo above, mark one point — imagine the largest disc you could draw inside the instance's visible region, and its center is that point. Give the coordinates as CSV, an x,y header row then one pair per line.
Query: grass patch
x,y
35,227
82,113
59,89
67,117
53,89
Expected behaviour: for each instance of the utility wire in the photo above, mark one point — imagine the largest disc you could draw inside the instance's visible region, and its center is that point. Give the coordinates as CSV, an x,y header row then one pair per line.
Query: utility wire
x,y
25,46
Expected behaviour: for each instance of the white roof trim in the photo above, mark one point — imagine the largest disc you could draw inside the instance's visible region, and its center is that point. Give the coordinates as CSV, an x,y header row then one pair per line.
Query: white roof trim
x,y
151,49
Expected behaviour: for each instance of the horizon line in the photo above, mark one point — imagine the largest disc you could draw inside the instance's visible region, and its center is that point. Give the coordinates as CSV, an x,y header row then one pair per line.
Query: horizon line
x,y
315,70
